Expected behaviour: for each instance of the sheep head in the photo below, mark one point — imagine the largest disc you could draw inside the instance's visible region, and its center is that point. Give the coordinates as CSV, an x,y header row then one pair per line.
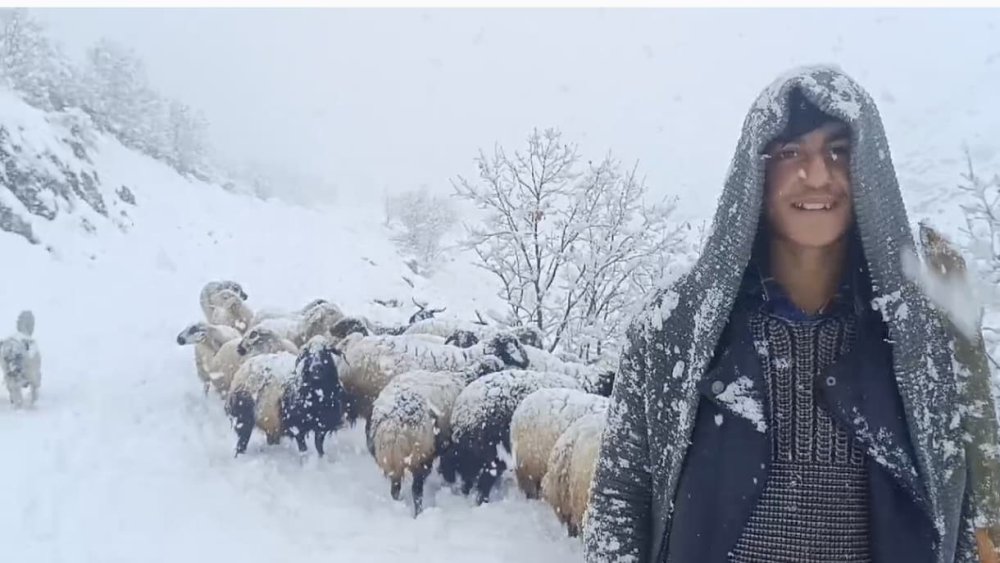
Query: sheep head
x,y
463,338
26,323
423,313
260,340
508,348
346,326
225,285
528,335
193,334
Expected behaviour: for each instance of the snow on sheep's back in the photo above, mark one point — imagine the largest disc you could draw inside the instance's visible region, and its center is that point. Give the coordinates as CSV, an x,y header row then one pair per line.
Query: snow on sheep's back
x,y
123,458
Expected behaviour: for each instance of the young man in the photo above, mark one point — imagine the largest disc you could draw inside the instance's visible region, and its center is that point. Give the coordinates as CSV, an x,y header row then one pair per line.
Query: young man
x,y
794,397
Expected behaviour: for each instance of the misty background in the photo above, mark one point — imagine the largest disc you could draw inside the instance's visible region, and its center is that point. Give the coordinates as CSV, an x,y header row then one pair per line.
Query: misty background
x,y
349,104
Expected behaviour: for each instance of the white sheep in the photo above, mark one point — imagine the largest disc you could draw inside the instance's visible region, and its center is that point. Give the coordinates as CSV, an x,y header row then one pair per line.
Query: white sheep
x,y
443,327
255,396
207,340
537,424
373,361
234,353
316,318
480,424
229,309
209,295
21,362
593,377
411,423
566,485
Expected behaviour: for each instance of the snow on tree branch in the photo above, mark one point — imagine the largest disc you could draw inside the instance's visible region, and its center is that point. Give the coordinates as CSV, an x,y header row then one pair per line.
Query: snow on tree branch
x,y
574,246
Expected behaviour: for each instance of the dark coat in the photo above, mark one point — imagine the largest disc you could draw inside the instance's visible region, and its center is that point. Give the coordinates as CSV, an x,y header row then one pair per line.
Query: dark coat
x,y
727,464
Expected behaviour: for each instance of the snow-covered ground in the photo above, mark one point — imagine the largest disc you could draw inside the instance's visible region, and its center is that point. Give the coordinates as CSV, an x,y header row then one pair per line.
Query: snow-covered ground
x,y
124,460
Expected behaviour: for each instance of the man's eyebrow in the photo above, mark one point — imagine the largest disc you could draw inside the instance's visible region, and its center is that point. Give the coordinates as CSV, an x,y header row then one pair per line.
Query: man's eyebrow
x,y
842,132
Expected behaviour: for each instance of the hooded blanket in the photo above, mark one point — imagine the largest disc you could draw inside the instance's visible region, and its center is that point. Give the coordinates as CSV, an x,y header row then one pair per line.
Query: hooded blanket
x,y
672,342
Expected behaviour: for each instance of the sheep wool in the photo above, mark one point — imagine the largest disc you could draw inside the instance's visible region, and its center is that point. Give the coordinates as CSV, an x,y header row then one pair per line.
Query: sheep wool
x,y
537,424
566,485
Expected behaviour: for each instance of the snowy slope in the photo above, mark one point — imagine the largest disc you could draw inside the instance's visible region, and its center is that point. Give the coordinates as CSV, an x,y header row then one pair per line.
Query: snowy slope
x,y
124,460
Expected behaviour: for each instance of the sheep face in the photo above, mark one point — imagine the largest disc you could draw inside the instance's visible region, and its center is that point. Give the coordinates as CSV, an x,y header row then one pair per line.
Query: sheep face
x,y
424,314
487,365
509,349
346,326
463,338
193,334
26,323
259,341
528,335
312,305
605,383
225,285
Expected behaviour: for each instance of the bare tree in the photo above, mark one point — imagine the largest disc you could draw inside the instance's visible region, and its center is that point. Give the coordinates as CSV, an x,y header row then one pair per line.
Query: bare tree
x,y
571,248
418,222
982,230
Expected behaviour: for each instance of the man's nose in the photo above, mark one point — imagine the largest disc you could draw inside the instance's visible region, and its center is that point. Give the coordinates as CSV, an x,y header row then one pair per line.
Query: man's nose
x,y
816,171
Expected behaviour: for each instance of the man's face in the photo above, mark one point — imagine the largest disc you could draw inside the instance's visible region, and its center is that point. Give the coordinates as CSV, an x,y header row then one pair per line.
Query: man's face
x,y
809,187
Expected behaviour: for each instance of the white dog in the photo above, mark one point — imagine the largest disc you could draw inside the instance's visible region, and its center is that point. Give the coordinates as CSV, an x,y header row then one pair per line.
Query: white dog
x,y
20,361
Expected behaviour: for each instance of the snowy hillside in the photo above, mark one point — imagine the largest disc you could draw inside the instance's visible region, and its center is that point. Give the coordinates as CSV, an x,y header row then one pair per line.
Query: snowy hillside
x,y
124,459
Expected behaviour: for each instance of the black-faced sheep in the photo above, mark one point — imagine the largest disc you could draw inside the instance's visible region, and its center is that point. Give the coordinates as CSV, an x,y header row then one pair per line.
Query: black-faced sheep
x,y
209,295
410,423
463,339
536,426
288,396
207,340
480,424
21,362
373,361
229,309
566,485
315,404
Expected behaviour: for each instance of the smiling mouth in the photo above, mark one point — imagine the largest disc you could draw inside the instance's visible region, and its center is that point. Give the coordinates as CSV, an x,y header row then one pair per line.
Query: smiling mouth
x,y
813,206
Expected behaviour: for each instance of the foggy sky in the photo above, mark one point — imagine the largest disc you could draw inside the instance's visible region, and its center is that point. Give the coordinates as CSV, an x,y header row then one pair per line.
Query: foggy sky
x,y
394,99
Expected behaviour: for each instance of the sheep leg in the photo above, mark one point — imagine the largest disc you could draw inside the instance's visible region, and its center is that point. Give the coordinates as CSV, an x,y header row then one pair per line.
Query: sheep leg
x,y
15,395
241,409
273,439
34,396
419,475
300,440
395,486
319,437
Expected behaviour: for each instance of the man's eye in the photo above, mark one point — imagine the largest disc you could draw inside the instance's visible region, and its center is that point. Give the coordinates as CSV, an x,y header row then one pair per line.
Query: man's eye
x,y
787,153
840,152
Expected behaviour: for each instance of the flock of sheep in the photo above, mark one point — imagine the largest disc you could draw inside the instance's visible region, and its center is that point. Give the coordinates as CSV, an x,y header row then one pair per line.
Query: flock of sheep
x,y
469,396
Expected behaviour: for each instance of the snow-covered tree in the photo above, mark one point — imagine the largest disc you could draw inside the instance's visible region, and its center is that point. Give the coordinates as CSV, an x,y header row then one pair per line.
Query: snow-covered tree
x,y
120,100
29,63
982,217
187,138
418,222
574,246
